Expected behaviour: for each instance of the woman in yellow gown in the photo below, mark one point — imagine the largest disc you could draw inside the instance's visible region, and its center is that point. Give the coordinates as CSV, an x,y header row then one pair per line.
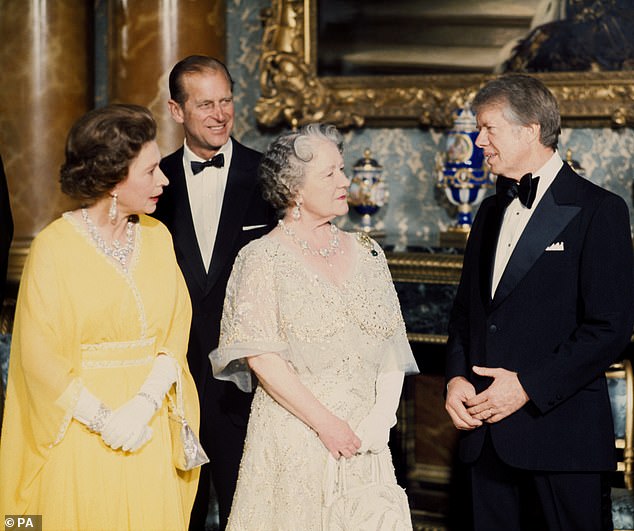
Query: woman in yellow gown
x,y
98,349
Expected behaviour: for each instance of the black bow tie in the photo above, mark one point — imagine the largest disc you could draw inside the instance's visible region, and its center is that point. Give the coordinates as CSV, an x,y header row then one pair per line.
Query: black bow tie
x,y
217,161
508,189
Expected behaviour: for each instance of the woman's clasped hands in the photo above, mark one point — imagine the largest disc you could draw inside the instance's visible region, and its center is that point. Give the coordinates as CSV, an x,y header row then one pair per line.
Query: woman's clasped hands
x,y
127,427
337,436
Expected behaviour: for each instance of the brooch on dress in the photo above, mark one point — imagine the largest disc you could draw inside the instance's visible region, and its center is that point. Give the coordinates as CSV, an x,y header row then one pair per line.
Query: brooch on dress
x,y
366,241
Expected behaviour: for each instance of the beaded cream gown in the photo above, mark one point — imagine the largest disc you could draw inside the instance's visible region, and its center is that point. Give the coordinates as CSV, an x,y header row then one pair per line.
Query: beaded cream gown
x,y
82,320
337,339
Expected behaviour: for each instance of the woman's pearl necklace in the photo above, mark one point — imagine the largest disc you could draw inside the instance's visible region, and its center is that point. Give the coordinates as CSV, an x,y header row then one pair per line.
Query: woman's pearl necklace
x,y
324,252
119,253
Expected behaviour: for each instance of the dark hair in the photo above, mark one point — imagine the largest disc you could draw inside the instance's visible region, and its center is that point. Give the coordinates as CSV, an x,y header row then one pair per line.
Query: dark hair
x,y
526,100
283,166
100,147
194,64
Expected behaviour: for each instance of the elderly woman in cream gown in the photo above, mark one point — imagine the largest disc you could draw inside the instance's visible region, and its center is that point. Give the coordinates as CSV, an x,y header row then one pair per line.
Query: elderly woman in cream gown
x,y
312,311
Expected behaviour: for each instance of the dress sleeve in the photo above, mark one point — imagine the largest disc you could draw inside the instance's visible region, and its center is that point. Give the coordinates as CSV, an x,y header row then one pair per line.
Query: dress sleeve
x,y
44,370
176,320
176,335
250,320
396,351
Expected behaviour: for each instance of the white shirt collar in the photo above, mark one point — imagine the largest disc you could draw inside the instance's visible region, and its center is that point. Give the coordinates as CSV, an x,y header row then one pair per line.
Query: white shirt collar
x,y
547,174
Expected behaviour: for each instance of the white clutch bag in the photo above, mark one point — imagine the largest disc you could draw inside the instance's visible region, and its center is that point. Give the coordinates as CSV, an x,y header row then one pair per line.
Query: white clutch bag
x,y
379,505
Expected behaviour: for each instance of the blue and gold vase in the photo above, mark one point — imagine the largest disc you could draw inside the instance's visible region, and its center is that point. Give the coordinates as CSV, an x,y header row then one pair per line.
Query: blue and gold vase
x,y
463,174
368,192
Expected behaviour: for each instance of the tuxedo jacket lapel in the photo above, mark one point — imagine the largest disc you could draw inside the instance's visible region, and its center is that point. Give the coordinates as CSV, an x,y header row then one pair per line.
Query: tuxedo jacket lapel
x,y
491,232
552,215
240,183
182,227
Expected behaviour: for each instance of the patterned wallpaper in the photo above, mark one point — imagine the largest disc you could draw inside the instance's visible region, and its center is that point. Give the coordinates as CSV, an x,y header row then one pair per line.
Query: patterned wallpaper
x,y
417,209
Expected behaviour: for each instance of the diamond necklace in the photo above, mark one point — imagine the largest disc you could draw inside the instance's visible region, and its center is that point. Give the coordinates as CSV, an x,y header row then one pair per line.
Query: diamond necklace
x,y
119,253
324,252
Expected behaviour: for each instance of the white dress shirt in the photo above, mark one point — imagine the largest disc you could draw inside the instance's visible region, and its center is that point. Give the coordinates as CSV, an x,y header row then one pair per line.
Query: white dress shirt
x,y
517,217
206,191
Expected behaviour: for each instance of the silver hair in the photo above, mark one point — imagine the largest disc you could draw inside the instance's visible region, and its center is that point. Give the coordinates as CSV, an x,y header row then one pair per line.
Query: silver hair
x,y
283,167
525,100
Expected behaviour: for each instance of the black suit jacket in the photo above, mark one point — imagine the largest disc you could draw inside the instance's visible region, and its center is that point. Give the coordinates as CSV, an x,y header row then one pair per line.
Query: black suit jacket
x,y
558,319
6,230
242,207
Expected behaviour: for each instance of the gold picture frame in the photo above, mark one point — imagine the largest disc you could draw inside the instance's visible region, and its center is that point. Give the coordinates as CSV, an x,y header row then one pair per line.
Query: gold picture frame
x,y
292,93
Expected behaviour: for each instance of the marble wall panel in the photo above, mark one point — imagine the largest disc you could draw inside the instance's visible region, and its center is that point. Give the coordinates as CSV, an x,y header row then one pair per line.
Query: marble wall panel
x,y
147,38
44,61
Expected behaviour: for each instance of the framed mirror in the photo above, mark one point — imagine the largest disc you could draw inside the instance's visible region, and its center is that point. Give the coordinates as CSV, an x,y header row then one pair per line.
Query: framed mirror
x,y
299,85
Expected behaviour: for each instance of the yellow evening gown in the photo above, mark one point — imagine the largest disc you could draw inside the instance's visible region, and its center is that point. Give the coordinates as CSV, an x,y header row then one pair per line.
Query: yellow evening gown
x,y
81,319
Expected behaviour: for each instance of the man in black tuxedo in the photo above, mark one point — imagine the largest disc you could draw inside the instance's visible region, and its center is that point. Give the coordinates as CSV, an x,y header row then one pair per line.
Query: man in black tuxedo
x,y
213,207
6,230
544,306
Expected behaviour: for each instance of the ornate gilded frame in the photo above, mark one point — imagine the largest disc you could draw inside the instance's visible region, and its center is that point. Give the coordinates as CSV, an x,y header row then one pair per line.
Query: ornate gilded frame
x,y
293,93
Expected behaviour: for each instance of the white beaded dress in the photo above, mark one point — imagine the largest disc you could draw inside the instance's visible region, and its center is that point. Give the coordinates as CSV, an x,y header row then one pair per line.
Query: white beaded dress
x,y
337,339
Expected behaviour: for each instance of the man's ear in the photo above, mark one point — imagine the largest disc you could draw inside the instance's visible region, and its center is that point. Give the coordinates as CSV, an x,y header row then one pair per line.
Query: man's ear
x,y
533,132
176,111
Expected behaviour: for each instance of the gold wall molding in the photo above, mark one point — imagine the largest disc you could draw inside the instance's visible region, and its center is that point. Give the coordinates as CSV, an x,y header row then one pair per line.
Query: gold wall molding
x,y
425,267
17,257
292,93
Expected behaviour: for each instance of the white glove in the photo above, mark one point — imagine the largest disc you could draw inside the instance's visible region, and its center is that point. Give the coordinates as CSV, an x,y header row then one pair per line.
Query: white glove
x,y
374,430
91,411
163,374
127,428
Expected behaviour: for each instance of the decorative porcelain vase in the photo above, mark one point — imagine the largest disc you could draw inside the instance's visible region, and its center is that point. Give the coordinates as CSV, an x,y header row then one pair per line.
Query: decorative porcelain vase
x,y
368,191
463,174
574,164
